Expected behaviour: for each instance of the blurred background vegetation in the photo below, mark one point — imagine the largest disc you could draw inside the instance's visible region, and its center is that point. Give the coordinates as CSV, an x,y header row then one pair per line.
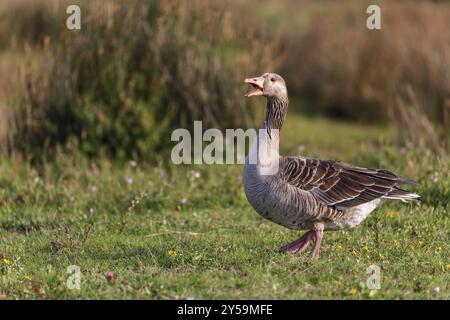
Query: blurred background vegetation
x,y
139,69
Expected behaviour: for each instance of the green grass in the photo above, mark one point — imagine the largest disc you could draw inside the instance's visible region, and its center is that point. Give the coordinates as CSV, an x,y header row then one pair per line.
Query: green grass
x,y
215,245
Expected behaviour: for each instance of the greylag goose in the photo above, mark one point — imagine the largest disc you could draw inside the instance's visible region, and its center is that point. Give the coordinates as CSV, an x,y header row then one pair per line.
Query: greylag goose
x,y
303,193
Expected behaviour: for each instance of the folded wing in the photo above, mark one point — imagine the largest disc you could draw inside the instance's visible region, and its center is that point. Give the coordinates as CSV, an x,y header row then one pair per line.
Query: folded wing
x,y
341,184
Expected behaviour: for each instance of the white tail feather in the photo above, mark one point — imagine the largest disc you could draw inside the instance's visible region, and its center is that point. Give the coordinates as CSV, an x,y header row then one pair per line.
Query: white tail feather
x,y
404,198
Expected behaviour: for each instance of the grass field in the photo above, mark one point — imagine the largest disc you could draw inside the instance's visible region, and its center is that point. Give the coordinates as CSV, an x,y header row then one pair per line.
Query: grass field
x,y
188,232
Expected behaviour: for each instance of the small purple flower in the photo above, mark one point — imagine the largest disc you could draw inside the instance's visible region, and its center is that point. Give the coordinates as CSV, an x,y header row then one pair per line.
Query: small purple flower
x,y
130,180
436,290
183,200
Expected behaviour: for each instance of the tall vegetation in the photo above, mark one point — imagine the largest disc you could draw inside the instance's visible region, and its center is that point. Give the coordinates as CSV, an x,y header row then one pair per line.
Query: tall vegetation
x,y
136,71
400,73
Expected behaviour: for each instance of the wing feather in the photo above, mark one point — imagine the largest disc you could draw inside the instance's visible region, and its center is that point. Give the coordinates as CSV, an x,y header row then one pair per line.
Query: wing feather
x,y
339,184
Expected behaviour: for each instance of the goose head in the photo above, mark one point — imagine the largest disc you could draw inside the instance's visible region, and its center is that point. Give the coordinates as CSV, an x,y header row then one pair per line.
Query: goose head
x,y
270,85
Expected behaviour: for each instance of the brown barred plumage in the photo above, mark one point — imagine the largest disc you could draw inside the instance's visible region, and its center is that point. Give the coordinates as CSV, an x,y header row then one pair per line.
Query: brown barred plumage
x,y
340,184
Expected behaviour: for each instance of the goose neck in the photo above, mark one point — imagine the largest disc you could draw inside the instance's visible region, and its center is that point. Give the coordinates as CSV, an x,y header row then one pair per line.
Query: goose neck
x,y
276,110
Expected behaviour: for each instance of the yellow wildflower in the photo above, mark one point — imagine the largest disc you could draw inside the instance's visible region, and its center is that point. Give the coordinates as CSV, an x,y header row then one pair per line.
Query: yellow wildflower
x,y
352,291
448,267
366,248
381,256
389,214
372,293
6,262
27,278
172,253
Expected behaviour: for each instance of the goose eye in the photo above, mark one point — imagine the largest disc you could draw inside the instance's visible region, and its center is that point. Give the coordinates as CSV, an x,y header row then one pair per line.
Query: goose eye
x,y
272,79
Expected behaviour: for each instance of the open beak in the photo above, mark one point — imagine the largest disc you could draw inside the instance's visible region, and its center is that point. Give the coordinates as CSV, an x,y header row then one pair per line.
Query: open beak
x,y
258,86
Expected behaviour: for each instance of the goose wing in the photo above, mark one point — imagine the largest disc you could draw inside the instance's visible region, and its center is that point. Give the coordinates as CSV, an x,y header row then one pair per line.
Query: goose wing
x,y
340,184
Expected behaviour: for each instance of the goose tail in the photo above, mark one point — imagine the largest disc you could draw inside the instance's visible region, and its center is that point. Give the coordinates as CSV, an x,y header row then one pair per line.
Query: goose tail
x,y
399,194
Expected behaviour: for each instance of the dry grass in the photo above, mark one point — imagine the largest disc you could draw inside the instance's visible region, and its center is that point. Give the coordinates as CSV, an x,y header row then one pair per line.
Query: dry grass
x,y
136,71
350,71
186,59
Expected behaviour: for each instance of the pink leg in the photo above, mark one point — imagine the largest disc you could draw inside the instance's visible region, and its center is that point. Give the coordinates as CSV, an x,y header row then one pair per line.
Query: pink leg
x,y
300,245
318,240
